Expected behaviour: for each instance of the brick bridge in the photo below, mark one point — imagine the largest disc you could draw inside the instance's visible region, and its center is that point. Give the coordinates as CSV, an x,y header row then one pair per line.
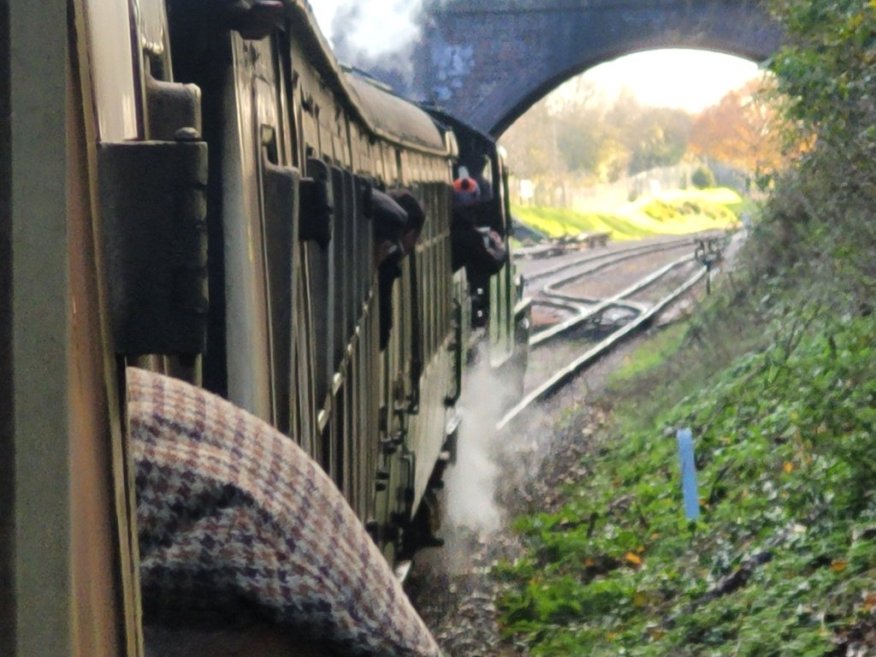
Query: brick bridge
x,y
488,61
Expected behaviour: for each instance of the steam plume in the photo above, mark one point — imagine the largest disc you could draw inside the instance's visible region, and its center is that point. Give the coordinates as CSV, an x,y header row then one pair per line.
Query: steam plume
x,y
375,35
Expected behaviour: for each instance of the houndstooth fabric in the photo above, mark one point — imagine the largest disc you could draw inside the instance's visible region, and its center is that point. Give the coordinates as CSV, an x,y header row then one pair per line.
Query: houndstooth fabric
x,y
233,514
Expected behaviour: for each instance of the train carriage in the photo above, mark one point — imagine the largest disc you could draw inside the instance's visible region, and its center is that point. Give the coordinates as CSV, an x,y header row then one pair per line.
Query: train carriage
x,y
296,144
215,226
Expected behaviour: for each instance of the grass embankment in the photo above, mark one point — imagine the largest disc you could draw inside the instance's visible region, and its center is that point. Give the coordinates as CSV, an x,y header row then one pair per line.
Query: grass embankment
x,y
674,213
783,558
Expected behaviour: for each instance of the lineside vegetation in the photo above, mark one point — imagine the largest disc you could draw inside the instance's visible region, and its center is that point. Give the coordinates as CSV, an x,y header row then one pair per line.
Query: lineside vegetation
x,y
776,377
676,212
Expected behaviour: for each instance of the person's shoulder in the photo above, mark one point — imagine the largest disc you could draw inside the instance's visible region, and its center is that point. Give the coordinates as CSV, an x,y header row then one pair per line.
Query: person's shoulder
x,y
389,217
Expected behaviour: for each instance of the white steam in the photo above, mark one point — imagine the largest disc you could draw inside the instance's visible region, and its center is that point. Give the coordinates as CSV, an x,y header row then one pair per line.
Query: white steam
x,y
367,31
472,481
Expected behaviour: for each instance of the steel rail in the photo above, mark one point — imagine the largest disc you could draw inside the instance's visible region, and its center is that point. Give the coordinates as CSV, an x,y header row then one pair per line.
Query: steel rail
x,y
563,376
584,307
617,300
576,306
626,253
552,288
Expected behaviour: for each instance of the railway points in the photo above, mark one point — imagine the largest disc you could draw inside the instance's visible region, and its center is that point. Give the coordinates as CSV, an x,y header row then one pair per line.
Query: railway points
x,y
591,332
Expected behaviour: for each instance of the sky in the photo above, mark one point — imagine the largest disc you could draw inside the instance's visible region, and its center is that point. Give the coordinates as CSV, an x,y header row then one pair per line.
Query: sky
x,y
686,79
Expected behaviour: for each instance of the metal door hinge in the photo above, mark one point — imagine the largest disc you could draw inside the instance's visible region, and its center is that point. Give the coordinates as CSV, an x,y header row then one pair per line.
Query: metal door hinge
x,y
154,208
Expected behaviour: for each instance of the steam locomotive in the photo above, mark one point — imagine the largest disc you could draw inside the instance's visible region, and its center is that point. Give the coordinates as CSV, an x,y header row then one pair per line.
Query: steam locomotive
x,y
219,171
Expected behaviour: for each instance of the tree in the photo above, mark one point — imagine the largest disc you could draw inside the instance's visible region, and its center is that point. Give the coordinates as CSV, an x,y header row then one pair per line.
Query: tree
x,y
653,137
664,139
581,133
742,130
579,138
532,145
825,70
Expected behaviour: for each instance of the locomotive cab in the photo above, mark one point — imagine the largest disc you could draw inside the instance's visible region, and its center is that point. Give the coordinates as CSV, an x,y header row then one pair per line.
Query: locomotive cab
x,y
498,309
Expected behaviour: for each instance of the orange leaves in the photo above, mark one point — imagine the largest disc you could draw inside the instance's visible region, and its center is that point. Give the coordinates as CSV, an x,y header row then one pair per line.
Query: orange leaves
x,y
633,559
742,130
604,563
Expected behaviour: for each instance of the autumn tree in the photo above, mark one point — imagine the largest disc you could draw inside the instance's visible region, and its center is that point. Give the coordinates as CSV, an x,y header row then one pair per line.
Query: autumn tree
x,y
741,130
584,135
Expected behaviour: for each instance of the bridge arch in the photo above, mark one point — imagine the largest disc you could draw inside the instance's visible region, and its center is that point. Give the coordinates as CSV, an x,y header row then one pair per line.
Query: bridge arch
x,y
488,62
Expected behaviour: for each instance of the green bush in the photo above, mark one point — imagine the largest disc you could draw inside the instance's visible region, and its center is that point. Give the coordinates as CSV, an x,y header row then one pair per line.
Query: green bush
x,y
702,178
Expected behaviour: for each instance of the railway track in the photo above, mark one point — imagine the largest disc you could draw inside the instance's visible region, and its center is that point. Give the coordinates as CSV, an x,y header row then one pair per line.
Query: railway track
x,y
595,309
595,261
609,320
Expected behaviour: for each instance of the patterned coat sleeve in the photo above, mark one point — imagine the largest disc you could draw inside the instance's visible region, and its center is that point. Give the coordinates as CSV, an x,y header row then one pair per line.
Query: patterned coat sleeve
x,y
232,514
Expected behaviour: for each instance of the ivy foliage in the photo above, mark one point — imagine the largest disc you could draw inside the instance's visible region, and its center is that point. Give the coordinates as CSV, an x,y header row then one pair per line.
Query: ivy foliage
x,y
821,210
826,71
783,558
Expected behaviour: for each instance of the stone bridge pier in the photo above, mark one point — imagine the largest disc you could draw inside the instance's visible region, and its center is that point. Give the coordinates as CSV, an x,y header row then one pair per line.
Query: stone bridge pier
x,y
489,61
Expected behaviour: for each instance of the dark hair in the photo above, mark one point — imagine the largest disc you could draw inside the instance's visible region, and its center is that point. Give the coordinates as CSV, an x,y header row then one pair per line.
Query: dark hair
x,y
409,203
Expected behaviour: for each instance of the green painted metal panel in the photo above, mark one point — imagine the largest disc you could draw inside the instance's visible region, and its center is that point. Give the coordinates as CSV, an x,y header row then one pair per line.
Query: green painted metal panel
x,y
37,83
7,626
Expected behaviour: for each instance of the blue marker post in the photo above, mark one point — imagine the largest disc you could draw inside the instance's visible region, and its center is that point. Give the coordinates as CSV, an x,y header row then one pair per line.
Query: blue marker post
x,y
688,474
